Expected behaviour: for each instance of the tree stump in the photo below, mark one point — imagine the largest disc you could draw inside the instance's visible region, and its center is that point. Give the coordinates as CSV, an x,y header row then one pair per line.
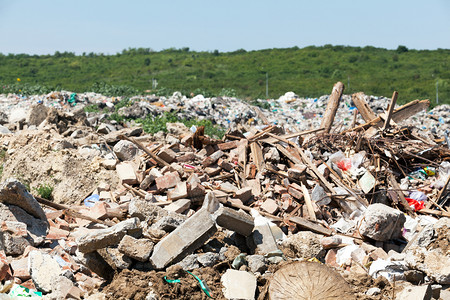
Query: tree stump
x,y
308,281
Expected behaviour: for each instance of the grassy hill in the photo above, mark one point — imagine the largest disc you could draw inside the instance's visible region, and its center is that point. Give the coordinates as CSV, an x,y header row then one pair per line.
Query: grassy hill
x,y
310,71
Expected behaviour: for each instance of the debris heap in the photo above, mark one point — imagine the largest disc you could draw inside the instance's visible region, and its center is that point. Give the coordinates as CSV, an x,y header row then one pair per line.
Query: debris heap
x,y
355,206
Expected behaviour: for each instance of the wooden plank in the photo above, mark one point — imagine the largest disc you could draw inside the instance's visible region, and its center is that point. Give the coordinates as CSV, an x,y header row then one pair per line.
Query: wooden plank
x,y
308,202
391,110
434,212
271,140
286,153
400,195
363,108
332,106
257,155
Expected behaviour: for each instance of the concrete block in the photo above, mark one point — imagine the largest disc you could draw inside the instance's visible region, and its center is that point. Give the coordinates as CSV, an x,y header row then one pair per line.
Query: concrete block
x,y
228,187
210,203
382,222
184,240
125,171
101,238
238,285
44,270
138,249
236,221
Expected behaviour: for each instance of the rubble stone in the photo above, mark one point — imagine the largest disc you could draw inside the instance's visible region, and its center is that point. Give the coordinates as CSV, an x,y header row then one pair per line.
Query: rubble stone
x,y
139,249
382,222
257,263
208,259
263,239
183,240
44,270
305,244
13,192
125,150
115,258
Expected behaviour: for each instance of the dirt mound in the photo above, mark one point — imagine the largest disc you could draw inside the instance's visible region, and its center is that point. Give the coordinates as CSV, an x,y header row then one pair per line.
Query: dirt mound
x,y
137,285
35,159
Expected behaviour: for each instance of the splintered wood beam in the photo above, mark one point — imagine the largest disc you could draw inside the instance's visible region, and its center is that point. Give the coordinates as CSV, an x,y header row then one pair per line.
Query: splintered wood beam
x,y
391,110
363,108
332,106
257,155
400,114
400,195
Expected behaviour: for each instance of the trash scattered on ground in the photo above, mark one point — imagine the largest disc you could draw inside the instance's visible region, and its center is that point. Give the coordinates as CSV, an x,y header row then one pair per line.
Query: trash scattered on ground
x,y
334,197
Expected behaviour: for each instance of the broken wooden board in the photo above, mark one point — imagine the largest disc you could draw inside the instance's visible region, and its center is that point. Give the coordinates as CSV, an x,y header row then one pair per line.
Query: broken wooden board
x,y
332,106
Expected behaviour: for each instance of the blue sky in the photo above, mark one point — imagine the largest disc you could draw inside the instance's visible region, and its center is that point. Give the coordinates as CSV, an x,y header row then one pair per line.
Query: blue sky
x,y
45,26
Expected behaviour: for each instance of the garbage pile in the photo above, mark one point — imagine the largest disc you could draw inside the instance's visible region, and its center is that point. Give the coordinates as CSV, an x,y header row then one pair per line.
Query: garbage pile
x,y
356,209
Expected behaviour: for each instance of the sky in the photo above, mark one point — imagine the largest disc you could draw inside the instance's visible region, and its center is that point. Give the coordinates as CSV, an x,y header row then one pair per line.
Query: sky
x,y
109,26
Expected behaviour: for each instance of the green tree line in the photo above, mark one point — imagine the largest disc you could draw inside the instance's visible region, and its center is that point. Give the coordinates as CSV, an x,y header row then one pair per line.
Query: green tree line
x,y
309,72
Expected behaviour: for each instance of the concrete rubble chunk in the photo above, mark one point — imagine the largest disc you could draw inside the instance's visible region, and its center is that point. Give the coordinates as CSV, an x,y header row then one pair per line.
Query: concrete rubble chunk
x,y
238,285
382,222
263,239
138,249
101,238
13,192
168,155
178,206
126,173
236,221
180,191
44,270
423,292
125,150
304,244
115,258
211,203
244,194
184,240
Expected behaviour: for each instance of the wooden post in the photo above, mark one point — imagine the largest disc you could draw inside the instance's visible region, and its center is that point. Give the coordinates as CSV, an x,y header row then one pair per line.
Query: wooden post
x,y
391,110
332,106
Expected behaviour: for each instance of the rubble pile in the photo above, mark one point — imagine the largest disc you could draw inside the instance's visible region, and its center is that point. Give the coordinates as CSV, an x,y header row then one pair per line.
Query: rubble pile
x,y
286,205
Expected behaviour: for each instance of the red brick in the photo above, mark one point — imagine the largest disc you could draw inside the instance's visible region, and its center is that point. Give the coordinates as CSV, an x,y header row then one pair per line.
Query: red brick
x,y
227,145
56,233
167,181
20,268
29,284
294,192
270,206
54,214
5,271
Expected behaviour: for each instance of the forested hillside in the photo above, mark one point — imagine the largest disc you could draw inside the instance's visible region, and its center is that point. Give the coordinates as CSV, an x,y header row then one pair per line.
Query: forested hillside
x,y
310,71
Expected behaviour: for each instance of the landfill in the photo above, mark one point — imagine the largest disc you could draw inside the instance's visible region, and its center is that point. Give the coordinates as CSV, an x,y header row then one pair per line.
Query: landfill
x,y
337,197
